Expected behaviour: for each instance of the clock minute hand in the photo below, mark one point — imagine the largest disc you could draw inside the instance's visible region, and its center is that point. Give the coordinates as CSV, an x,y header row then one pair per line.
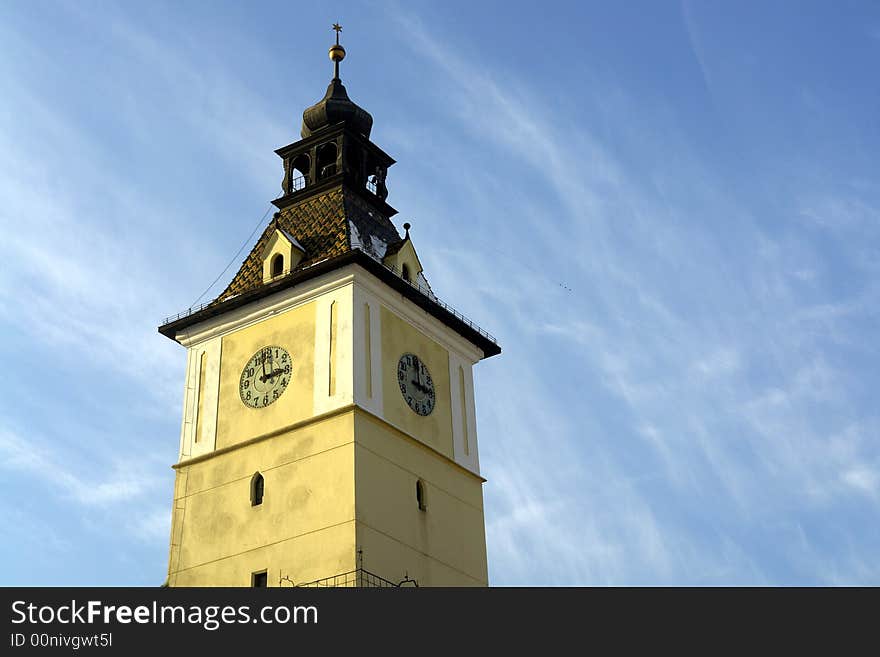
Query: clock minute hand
x,y
271,375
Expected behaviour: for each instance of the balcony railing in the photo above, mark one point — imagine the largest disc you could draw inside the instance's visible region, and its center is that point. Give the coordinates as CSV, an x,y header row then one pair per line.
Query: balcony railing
x,y
430,294
394,270
297,183
359,578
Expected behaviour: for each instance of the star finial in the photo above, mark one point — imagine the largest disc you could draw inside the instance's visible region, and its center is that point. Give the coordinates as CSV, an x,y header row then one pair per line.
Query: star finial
x,y
337,52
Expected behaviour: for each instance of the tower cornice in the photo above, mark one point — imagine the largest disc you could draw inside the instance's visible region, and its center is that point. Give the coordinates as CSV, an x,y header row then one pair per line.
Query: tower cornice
x,y
433,306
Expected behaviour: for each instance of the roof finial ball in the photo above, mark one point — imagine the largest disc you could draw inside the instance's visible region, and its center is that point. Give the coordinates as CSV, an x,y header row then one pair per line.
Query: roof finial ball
x,y
337,52
406,227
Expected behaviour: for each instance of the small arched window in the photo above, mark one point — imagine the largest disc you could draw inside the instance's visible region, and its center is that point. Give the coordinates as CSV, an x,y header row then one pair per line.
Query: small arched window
x,y
277,265
404,271
257,489
420,495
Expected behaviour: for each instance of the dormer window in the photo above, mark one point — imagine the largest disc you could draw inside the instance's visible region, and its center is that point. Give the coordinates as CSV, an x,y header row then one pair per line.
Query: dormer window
x,y
281,255
277,265
404,272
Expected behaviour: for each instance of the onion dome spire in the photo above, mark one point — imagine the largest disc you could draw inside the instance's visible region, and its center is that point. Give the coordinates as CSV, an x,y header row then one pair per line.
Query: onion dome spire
x,y
336,106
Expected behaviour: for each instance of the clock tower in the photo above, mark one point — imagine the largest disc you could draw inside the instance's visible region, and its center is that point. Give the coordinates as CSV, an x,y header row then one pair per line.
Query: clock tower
x,y
329,432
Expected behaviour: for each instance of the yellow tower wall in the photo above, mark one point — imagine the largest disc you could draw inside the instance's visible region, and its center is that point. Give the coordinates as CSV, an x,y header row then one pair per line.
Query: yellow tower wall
x,y
340,451
304,529
443,545
398,338
294,330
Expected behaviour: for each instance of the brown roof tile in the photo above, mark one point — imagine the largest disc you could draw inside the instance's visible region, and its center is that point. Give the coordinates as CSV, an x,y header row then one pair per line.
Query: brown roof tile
x,y
321,224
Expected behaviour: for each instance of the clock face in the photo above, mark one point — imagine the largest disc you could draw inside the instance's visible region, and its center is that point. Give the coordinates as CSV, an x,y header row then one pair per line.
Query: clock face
x,y
416,384
265,376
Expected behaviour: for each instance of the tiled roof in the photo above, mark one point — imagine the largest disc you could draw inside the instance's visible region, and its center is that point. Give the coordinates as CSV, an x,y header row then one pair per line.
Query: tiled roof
x,y
322,224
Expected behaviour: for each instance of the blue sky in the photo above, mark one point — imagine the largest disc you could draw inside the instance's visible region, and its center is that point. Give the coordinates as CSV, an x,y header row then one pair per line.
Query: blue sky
x,y
668,213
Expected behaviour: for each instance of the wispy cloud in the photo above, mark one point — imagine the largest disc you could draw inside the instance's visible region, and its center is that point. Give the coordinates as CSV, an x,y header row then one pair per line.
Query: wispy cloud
x,y
118,486
685,394
685,365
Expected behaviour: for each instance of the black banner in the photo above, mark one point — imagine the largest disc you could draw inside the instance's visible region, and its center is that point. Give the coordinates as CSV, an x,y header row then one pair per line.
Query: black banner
x,y
130,621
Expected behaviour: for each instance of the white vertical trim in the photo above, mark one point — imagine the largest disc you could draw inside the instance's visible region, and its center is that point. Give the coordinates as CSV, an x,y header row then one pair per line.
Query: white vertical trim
x,y
186,421
474,456
367,350
211,400
362,356
462,400
189,447
340,301
198,393
344,347
455,405
463,417
376,355
322,348
331,352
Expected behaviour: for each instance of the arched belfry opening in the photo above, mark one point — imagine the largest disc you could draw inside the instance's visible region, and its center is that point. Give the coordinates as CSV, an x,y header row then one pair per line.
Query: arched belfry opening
x,y
327,160
300,170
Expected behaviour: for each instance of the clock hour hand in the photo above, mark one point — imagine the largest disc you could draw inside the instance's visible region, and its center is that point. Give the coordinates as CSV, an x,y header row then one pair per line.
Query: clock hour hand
x,y
271,375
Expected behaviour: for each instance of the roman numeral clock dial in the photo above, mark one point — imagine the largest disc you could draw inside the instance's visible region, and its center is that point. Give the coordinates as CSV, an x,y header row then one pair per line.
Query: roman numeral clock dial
x,y
265,377
416,384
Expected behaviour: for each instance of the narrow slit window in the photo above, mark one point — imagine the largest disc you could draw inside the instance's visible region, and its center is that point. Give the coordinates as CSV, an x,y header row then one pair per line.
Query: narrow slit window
x,y
404,271
420,495
258,487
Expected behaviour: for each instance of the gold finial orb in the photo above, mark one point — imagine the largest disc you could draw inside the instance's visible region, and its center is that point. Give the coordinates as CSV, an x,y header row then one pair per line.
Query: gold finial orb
x,y
337,53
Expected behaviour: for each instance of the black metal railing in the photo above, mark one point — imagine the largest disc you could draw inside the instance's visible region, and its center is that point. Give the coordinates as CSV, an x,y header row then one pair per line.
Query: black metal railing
x,y
426,291
297,183
430,294
359,578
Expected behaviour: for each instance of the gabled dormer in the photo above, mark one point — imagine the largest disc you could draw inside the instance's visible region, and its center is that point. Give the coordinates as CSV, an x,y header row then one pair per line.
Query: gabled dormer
x,y
281,254
402,258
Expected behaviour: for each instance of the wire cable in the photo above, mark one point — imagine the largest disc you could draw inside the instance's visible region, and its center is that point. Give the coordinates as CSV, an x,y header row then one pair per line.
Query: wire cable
x,y
237,253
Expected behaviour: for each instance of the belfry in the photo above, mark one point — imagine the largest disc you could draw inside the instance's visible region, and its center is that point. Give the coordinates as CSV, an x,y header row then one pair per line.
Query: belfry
x,y
329,431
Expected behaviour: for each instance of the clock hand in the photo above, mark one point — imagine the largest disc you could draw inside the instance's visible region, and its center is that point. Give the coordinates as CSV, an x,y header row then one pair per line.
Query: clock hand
x,y
271,375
